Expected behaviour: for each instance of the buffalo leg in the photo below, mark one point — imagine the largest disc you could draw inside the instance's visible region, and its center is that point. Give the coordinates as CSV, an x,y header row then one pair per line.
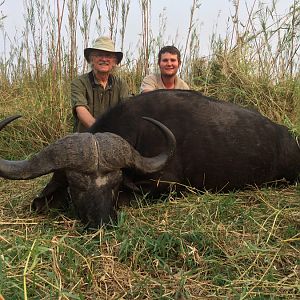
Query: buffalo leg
x,y
55,194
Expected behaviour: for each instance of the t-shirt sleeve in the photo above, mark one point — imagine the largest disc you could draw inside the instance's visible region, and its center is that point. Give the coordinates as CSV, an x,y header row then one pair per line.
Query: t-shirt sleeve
x,y
148,84
182,85
186,86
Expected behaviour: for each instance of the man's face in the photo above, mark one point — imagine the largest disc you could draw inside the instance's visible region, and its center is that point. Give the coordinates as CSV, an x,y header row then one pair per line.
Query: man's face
x,y
169,64
103,61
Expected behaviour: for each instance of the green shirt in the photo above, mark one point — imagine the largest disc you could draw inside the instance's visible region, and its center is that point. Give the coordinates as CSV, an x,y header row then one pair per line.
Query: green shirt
x,y
85,91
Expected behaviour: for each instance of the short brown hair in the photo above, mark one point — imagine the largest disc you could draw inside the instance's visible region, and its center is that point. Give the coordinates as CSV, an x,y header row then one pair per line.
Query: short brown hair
x,y
169,49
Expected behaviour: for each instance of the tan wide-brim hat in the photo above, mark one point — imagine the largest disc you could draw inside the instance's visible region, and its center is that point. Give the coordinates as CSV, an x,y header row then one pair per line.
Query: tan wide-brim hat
x,y
105,44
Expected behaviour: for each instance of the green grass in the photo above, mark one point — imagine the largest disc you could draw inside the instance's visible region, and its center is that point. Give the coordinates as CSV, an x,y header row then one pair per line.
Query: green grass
x,y
242,245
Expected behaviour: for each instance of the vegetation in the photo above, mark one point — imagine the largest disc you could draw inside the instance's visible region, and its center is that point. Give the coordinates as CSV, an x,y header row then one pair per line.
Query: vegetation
x,y
242,245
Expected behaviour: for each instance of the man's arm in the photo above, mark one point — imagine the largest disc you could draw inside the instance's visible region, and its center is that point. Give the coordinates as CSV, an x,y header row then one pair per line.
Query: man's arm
x,y
84,116
79,101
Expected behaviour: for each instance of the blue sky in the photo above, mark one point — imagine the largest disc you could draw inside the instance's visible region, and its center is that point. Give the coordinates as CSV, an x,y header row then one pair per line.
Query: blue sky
x,y
212,17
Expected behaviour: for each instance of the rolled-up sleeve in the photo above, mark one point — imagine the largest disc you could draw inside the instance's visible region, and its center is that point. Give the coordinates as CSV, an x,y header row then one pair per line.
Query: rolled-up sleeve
x,y
78,94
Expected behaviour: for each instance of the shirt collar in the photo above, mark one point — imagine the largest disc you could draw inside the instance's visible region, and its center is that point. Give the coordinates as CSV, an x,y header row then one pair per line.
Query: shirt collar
x,y
109,82
162,84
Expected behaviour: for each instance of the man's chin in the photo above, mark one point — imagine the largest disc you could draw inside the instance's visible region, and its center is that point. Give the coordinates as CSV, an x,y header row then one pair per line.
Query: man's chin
x,y
168,74
104,69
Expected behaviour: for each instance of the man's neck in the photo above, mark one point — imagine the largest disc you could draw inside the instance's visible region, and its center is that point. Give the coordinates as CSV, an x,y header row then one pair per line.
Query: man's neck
x,y
101,78
168,81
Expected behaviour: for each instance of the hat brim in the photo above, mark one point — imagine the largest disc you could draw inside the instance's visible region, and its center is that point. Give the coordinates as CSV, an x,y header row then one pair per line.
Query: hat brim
x,y
87,52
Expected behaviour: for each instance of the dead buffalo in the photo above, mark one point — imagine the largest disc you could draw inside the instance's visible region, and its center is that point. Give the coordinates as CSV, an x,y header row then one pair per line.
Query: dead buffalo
x,y
90,165
220,146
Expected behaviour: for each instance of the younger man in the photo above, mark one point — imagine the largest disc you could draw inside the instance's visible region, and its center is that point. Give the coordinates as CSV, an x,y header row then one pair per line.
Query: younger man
x,y
169,61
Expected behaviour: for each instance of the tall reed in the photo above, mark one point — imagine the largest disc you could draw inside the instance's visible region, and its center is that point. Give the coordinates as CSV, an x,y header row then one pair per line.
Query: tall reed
x,y
256,64
125,6
145,50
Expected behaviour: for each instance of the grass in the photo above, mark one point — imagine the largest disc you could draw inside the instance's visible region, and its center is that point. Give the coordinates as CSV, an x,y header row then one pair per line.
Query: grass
x,y
242,245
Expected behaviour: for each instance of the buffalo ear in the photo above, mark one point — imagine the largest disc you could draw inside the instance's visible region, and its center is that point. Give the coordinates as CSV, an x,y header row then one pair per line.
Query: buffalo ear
x,y
128,183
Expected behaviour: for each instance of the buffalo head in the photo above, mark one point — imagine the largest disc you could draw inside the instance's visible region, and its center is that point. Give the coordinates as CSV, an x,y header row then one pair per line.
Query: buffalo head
x,y
92,164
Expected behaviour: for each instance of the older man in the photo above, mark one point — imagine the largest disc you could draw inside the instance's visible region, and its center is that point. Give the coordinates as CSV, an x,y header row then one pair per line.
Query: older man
x,y
95,92
169,61
92,94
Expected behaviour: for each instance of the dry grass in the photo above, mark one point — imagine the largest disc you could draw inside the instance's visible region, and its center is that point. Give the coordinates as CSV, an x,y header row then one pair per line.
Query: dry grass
x,y
243,245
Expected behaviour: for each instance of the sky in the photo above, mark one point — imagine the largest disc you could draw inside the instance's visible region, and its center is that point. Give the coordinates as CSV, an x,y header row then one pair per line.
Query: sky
x,y
211,17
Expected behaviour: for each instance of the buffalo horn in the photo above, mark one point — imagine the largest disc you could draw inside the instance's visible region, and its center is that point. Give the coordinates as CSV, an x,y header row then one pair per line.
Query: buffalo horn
x,y
156,163
74,151
6,121
80,152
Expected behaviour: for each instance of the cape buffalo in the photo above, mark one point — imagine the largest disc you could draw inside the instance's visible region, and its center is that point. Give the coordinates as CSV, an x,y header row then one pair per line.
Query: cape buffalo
x,y
220,146
90,165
